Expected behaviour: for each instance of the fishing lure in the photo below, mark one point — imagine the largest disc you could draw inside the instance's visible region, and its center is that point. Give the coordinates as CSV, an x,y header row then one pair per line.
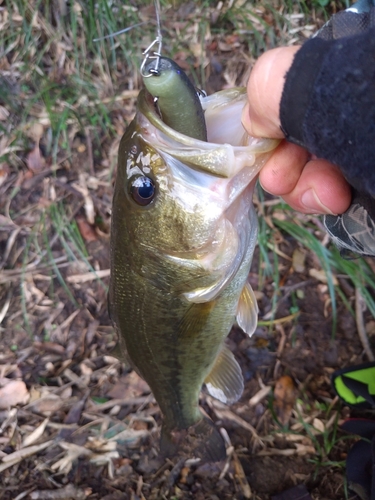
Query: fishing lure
x,y
176,97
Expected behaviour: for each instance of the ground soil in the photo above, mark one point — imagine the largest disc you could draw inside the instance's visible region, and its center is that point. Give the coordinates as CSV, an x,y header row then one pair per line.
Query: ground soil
x,y
83,425
88,396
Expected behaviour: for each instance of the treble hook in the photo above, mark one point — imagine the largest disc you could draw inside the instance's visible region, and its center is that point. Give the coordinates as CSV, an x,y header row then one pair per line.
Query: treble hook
x,y
148,53
156,54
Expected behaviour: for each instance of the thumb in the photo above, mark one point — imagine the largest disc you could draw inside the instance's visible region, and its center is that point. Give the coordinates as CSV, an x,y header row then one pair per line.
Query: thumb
x,y
260,116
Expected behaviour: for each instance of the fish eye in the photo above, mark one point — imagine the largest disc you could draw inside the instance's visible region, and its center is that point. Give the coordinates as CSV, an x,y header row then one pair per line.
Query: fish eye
x,y
142,190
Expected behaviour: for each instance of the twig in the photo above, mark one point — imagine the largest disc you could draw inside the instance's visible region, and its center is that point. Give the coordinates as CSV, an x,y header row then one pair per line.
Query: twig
x,y
240,477
278,321
90,276
122,402
223,413
261,394
5,307
89,151
19,455
68,491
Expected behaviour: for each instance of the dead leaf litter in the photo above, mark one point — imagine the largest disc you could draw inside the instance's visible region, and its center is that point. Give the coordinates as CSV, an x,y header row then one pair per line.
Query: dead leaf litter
x,y
75,421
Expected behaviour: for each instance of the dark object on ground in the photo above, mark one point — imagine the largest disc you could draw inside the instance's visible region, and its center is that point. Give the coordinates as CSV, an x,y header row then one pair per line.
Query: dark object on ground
x,y
297,493
361,458
356,385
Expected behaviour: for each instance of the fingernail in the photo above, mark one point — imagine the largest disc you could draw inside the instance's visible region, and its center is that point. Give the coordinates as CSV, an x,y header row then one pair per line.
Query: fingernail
x,y
311,202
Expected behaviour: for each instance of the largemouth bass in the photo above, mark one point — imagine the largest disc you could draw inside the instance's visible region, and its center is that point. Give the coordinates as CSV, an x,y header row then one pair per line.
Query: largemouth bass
x,y
182,239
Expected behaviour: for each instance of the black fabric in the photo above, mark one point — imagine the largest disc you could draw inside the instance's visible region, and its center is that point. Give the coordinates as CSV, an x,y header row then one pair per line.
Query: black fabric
x,y
298,88
360,462
361,426
296,493
335,117
340,119
359,469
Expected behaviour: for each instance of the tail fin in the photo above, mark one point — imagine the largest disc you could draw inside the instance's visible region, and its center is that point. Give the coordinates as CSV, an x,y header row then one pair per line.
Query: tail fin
x,y
202,440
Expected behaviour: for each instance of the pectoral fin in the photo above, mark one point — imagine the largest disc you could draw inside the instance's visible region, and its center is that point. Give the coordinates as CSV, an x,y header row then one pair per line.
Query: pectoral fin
x,y
209,293
247,311
225,381
194,320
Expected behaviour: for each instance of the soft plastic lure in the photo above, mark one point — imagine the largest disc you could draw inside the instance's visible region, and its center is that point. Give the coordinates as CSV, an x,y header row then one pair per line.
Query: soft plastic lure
x,y
177,98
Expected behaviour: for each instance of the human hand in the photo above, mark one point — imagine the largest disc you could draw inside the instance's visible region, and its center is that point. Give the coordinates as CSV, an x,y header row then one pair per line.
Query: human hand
x,y
306,183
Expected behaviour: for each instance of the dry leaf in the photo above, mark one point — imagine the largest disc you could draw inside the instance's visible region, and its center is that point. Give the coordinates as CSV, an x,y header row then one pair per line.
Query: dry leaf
x,y
34,394
86,373
370,328
4,114
19,455
34,160
302,449
225,47
36,434
261,394
87,231
81,186
130,437
130,386
35,132
285,395
318,424
73,453
3,174
82,278
50,346
298,261
47,405
5,221
240,477
321,276
66,393
14,392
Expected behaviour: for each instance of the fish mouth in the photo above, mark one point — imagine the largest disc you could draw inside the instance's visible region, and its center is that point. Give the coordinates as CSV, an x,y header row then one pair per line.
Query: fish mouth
x,y
209,182
228,149
225,165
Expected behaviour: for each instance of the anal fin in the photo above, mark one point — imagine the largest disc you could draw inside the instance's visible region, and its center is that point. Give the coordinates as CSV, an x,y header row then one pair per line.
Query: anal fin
x,y
247,310
225,381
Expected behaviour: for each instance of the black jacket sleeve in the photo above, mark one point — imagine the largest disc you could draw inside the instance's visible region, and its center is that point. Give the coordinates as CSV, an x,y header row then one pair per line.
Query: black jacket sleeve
x,y
328,104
